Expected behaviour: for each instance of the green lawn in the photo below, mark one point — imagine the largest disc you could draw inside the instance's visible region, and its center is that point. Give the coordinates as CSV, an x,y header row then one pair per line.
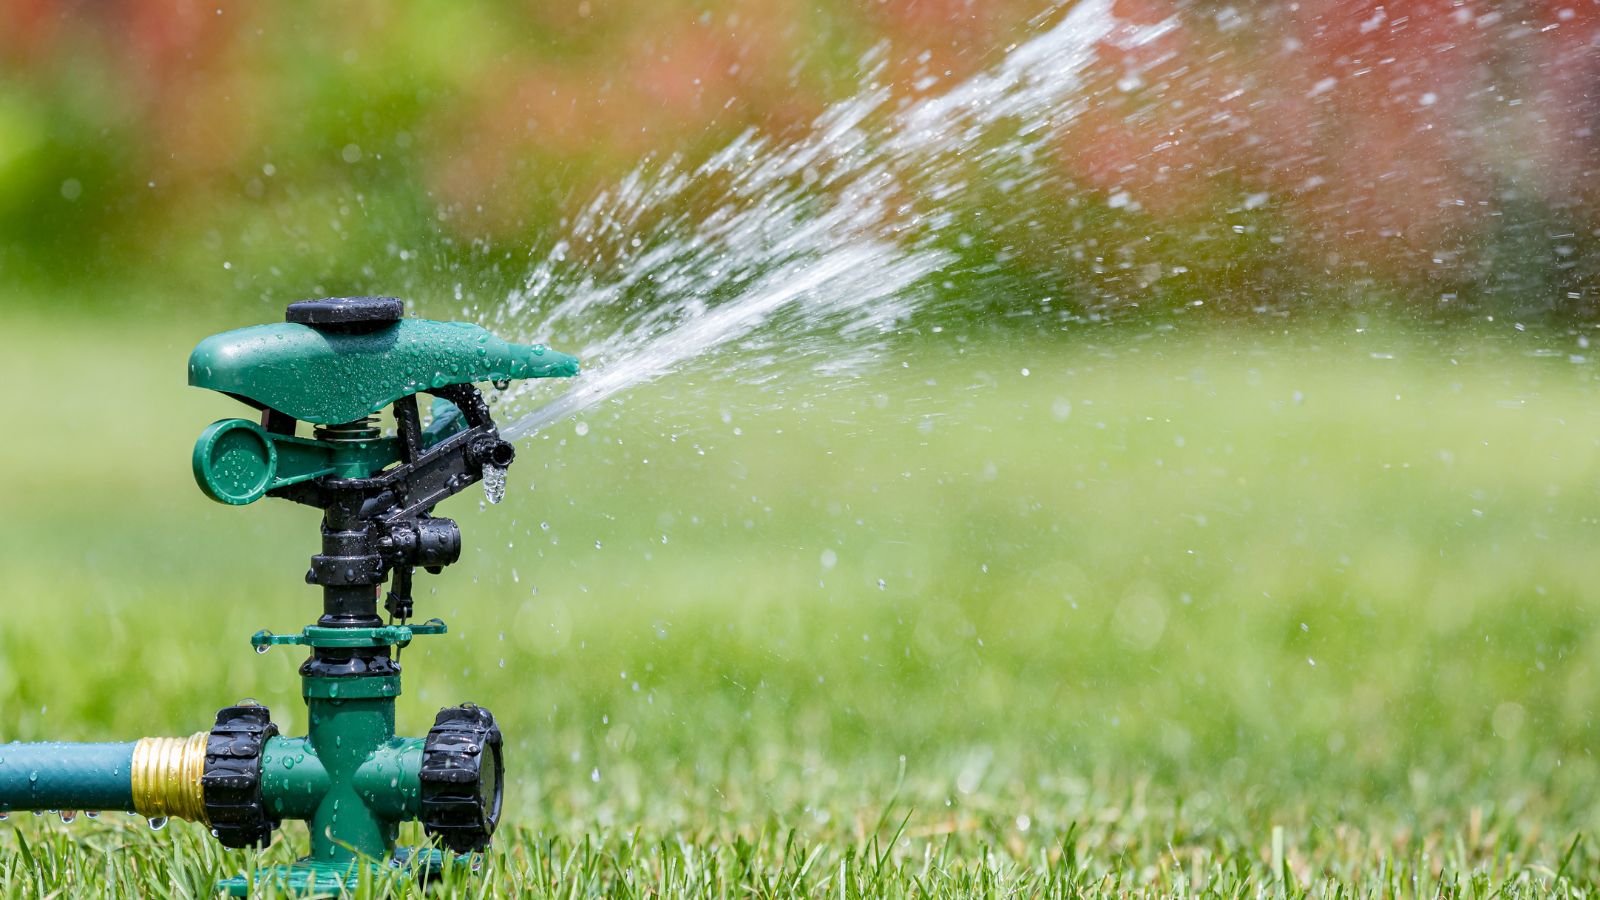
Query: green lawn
x,y
1143,611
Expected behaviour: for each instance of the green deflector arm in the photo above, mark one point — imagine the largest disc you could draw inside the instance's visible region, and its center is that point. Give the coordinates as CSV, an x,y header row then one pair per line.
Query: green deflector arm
x,y
327,377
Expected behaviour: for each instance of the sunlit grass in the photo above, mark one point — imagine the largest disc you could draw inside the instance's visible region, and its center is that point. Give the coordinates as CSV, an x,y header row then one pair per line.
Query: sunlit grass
x,y
1237,613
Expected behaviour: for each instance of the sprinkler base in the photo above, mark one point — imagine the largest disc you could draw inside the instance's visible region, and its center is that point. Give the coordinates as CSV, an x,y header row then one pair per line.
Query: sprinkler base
x,y
320,878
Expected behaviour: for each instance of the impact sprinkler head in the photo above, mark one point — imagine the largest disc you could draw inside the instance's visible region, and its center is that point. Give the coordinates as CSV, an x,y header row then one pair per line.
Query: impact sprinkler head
x,y
334,365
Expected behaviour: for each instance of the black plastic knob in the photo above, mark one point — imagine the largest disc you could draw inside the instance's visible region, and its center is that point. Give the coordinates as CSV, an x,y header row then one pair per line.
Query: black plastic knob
x,y
348,314
231,782
462,778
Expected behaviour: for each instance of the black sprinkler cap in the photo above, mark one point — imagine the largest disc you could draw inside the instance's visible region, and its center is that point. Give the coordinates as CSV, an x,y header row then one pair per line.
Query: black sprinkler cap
x,y
346,313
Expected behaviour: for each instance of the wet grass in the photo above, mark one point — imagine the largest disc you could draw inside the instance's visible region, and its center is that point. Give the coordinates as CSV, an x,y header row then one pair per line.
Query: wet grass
x,y
1229,614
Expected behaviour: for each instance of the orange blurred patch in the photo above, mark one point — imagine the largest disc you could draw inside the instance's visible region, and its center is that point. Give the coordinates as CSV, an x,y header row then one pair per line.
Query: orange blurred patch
x,y
671,81
1160,130
945,39
29,30
1564,106
1354,117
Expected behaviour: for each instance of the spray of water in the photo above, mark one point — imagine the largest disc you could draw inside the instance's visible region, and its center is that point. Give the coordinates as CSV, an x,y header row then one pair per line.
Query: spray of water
x,y
809,250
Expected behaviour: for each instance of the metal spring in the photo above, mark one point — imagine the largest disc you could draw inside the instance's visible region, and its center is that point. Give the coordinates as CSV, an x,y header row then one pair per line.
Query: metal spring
x,y
364,429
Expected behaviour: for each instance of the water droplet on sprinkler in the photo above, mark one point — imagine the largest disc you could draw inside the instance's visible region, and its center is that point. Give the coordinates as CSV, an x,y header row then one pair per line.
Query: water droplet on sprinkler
x,y
261,648
68,816
158,823
494,484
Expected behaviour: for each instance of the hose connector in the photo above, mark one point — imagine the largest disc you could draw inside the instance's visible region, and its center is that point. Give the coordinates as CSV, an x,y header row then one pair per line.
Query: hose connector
x,y
166,777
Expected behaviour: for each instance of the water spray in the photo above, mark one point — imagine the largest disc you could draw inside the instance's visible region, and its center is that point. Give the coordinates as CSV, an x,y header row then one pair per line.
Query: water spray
x,y
334,365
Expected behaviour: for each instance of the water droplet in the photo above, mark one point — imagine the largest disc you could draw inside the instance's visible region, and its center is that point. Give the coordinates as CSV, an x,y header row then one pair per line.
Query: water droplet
x,y
494,484
68,816
594,775
93,813
158,823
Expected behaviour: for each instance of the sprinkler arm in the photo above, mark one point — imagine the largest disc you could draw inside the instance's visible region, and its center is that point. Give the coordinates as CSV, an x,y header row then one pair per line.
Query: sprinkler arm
x,y
312,372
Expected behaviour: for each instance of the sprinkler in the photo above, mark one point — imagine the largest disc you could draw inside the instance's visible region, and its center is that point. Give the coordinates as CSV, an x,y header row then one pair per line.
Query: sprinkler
x,y
334,365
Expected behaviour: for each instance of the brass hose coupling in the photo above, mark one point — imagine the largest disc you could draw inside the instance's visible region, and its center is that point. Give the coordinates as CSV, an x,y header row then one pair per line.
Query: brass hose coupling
x,y
166,777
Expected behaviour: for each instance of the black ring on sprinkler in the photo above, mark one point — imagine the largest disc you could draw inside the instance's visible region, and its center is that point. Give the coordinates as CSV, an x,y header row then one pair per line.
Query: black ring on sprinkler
x,y
231,785
461,794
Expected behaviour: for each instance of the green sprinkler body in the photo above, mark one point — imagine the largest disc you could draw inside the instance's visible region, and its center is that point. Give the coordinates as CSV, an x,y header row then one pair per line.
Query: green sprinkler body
x,y
335,364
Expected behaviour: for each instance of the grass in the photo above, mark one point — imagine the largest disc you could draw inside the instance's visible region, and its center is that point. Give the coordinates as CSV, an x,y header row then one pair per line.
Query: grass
x,y
1223,614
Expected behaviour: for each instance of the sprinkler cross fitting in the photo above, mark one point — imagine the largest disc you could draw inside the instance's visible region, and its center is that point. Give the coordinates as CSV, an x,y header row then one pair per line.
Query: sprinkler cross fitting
x,y
335,365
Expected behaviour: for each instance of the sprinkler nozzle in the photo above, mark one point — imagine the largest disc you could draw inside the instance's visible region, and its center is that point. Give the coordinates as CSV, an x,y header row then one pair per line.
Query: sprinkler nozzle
x,y
490,451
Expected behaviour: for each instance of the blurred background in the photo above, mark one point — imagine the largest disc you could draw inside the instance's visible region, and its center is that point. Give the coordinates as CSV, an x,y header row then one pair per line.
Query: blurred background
x,y
1429,152
1232,468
